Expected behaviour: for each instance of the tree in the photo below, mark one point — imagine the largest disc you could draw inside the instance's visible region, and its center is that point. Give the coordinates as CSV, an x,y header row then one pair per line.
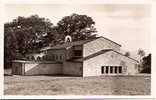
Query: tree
x,y
25,34
146,64
80,27
127,54
29,34
141,53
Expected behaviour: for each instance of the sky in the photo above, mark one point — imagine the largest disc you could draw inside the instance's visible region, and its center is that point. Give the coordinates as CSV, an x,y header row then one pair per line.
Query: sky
x,y
126,24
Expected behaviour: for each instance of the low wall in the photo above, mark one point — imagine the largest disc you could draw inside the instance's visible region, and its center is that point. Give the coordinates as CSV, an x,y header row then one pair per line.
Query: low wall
x,y
37,68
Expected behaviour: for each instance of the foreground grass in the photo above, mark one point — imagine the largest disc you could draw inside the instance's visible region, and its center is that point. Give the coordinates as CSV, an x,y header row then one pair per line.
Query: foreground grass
x,y
100,85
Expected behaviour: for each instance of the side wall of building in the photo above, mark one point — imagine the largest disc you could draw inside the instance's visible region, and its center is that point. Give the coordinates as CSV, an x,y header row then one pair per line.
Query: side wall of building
x,y
92,66
97,45
56,55
72,68
36,68
42,69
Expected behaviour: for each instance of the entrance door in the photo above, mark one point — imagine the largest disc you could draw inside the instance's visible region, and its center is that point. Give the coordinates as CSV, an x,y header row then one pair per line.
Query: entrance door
x,y
17,69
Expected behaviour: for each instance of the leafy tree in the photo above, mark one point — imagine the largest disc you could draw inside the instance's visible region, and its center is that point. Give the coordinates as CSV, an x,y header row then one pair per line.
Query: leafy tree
x,y
141,53
146,64
80,27
127,54
25,34
29,34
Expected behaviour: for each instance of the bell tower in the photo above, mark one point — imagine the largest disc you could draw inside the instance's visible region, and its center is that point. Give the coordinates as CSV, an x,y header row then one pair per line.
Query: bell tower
x,y
68,39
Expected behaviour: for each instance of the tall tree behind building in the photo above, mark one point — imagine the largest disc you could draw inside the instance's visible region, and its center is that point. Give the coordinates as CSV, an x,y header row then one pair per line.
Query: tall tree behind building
x,y
29,34
23,35
80,27
146,64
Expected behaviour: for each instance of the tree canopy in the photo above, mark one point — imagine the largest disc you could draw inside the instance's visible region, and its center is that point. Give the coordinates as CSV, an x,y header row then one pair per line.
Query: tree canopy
x,y
80,27
23,35
29,34
146,64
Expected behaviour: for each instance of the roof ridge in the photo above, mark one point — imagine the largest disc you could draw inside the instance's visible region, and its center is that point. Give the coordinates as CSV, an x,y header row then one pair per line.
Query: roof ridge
x,y
101,52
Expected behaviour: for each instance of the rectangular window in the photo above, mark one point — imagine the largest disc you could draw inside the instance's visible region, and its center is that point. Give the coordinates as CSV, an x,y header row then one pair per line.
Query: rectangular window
x,y
116,69
107,69
111,69
120,69
60,57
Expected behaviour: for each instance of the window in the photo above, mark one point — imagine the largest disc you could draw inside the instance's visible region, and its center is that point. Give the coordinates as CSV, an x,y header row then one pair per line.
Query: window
x,y
116,68
120,69
56,57
106,69
32,58
28,58
60,57
44,57
77,52
111,69
38,58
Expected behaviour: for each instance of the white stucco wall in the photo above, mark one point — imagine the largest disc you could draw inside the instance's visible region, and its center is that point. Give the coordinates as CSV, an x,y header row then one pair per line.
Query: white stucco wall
x,y
72,68
92,66
97,45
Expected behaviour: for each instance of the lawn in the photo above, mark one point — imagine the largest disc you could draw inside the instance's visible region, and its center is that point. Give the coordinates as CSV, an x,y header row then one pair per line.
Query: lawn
x,y
59,85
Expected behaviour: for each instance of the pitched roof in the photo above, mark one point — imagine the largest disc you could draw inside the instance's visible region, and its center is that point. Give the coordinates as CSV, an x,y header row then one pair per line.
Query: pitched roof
x,y
69,44
102,52
110,40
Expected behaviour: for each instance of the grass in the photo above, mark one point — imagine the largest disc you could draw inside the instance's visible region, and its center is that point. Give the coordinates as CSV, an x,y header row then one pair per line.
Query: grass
x,y
57,85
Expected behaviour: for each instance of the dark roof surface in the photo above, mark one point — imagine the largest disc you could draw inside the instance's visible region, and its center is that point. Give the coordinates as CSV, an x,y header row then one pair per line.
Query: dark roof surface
x,y
68,44
81,42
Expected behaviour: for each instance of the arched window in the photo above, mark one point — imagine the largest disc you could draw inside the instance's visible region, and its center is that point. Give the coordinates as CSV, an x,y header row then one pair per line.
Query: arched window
x,y
44,57
27,58
38,58
32,58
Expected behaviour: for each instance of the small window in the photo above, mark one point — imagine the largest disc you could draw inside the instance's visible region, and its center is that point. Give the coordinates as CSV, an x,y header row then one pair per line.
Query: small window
x,y
32,58
111,69
44,57
60,57
106,69
120,69
38,58
116,68
28,58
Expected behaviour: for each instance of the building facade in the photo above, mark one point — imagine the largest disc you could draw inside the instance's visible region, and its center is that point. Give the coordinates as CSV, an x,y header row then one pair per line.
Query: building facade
x,y
94,57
